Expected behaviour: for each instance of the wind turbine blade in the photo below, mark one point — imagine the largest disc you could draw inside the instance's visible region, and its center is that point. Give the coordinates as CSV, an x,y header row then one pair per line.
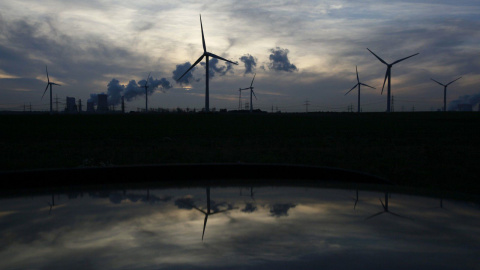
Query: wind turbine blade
x,y
204,225
46,69
351,89
45,90
221,58
453,81
400,216
381,60
253,79
382,204
438,82
253,94
386,75
199,209
203,38
368,85
356,69
374,215
404,59
55,84
199,59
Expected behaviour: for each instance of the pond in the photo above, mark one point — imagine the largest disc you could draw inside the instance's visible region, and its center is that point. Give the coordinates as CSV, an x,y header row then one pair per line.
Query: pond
x,y
237,227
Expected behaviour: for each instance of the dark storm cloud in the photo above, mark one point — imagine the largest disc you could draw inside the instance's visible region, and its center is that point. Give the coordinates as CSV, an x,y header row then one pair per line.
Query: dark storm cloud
x,y
180,69
279,60
281,209
250,63
213,64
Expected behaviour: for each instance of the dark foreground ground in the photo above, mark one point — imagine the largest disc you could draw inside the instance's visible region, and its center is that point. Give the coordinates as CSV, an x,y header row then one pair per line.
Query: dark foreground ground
x,y
429,150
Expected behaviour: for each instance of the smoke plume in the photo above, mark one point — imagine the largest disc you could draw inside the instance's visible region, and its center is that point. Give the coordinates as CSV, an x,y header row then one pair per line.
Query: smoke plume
x,y
467,99
279,60
179,72
115,90
250,63
216,69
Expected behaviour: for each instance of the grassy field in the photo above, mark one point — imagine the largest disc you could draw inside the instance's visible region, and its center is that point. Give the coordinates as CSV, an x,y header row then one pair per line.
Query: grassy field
x,y
432,150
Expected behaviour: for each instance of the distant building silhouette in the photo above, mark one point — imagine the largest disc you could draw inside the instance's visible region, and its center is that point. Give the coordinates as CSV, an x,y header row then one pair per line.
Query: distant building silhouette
x,y
90,107
71,105
102,105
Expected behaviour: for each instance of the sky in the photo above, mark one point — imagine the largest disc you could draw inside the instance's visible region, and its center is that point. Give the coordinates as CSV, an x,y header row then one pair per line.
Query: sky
x,y
302,52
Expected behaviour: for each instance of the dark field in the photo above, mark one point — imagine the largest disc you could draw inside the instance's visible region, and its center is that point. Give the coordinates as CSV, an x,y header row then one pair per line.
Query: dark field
x,y
430,150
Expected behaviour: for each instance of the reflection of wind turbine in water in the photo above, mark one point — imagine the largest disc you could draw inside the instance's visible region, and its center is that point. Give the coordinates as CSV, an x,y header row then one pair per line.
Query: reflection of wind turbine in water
x,y
208,212
49,83
51,204
358,85
206,55
445,92
385,209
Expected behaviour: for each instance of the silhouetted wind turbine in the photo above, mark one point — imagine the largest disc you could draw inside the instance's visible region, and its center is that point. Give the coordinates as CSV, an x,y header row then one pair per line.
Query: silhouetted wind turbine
x,y
385,209
388,75
445,92
146,93
251,92
206,55
49,83
358,85
208,212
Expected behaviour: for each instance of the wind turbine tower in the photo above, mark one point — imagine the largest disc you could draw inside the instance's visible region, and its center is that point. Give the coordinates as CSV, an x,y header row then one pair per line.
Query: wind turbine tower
x,y
251,92
206,55
49,83
388,75
445,92
358,86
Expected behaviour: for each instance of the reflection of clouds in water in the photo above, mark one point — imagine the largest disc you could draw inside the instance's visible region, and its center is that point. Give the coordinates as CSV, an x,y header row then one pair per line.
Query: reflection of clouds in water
x,y
249,208
323,228
281,209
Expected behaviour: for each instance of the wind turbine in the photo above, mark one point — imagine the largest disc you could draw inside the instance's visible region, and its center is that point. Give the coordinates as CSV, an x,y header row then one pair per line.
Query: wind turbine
x,y
206,55
445,92
146,93
251,92
385,209
208,212
358,85
388,75
49,83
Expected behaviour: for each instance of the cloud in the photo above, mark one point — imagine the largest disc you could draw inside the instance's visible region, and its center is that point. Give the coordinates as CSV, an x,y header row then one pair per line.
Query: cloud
x,y
281,209
250,63
216,69
180,69
279,60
